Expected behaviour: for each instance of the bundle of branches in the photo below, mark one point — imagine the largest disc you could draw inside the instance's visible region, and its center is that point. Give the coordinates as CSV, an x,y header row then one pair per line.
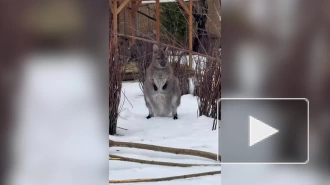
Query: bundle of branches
x,y
116,75
180,65
208,83
141,53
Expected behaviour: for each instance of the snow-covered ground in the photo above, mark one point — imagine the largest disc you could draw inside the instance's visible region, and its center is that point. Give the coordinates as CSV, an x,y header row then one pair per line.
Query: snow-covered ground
x,y
189,131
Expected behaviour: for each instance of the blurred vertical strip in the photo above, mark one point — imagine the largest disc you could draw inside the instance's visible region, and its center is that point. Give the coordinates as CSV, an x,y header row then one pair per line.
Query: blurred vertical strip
x,y
54,92
11,49
280,49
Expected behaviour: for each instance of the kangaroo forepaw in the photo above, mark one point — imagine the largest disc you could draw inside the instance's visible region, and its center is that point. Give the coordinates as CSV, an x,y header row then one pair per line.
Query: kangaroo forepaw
x,y
155,87
149,116
164,87
175,116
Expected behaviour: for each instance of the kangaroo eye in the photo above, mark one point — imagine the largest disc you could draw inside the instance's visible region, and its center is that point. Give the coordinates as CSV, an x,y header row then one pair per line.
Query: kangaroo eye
x,y
158,58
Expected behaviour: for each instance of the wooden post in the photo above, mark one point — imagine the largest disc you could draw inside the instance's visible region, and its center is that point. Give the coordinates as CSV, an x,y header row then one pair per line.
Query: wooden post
x,y
190,26
184,6
190,32
136,20
115,24
133,14
157,21
111,5
122,5
135,7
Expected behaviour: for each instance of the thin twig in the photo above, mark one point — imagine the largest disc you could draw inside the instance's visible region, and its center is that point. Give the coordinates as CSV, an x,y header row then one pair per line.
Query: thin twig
x,y
122,128
127,98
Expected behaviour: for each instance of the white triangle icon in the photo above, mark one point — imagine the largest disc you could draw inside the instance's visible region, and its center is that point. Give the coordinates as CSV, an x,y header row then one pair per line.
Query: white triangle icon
x,y
259,131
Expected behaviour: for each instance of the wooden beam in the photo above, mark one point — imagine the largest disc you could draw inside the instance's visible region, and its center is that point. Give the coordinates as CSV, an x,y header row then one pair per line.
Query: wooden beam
x,y
135,6
138,4
133,15
115,24
111,5
141,13
122,5
158,21
183,5
190,32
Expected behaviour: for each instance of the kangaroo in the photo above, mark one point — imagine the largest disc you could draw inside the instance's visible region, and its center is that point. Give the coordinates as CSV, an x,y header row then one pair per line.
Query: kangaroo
x,y
162,92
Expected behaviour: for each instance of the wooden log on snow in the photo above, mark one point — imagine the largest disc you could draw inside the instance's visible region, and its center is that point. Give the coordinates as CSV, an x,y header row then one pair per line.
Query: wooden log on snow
x,y
181,151
166,178
160,163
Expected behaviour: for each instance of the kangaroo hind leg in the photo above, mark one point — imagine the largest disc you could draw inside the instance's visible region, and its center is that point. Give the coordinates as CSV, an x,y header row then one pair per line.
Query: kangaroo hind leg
x,y
175,103
148,104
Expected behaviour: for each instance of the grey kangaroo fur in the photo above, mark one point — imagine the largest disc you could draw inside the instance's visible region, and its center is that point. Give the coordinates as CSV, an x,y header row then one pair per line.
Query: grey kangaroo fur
x,y
162,92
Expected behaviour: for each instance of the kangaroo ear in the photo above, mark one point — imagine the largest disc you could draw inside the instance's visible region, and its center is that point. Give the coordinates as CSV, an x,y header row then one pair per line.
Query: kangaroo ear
x,y
155,48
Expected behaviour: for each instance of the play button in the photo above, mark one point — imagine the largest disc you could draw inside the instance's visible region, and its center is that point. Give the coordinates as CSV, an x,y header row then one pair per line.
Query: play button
x,y
259,131
264,131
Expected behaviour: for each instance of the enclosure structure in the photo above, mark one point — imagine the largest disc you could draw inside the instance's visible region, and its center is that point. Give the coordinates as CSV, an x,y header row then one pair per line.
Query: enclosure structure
x,y
198,71
116,6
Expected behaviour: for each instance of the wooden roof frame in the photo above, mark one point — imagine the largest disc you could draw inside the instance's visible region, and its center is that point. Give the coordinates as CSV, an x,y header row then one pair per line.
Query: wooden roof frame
x,y
117,6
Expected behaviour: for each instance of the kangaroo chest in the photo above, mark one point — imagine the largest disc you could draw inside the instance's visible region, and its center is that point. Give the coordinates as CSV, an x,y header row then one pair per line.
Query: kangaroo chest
x,y
161,104
160,80
160,99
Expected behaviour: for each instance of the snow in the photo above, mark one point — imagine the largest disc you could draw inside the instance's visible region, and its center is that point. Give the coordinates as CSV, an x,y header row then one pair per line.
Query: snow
x,y
189,131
